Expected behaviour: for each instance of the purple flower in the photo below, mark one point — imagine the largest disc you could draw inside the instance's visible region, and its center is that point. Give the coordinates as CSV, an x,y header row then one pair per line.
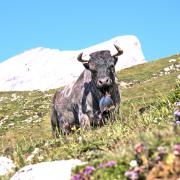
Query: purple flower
x,y
177,113
108,164
101,165
177,103
139,148
158,158
132,175
127,173
177,122
162,150
77,177
88,170
176,149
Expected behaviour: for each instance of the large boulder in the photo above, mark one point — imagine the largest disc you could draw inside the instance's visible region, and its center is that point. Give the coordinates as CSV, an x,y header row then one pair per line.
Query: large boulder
x,y
47,170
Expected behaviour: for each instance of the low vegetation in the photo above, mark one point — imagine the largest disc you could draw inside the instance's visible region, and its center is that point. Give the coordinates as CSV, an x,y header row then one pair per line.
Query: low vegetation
x,y
143,142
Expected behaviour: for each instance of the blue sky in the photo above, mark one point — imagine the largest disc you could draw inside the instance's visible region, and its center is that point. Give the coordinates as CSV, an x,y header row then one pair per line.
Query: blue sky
x,y
73,25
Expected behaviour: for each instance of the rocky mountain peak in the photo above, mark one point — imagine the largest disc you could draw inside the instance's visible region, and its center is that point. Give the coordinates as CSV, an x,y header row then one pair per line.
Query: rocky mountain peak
x,y
44,68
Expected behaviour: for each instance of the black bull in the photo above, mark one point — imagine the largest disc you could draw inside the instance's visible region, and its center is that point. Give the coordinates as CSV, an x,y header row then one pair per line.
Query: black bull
x,y
78,104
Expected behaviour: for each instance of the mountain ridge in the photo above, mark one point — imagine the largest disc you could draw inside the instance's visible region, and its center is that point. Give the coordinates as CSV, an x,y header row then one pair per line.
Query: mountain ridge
x,y
44,68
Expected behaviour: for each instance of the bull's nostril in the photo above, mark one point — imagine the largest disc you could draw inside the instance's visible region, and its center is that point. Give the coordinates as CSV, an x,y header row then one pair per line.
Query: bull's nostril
x,y
109,81
104,81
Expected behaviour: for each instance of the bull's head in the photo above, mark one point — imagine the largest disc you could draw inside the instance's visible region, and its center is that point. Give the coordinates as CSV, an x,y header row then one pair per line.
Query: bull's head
x,y
102,67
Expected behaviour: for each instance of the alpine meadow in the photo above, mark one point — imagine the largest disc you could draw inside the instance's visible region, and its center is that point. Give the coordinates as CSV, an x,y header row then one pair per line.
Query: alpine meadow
x,y
143,142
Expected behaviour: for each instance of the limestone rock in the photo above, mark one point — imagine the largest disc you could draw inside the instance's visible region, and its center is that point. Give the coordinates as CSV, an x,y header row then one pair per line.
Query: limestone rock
x,y
54,170
6,166
44,68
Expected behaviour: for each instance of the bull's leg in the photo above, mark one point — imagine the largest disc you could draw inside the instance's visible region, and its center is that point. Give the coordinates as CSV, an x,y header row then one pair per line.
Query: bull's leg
x,y
59,123
65,121
114,113
116,110
84,121
98,119
54,123
64,126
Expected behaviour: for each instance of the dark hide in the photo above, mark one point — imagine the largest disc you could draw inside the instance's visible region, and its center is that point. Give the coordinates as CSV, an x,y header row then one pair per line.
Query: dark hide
x,y
78,104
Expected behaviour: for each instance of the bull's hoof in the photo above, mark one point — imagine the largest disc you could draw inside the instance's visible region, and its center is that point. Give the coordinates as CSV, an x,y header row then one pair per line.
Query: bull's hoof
x,y
84,122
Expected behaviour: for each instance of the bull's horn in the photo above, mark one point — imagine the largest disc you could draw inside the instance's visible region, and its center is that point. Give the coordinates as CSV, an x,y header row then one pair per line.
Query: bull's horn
x,y
119,51
79,58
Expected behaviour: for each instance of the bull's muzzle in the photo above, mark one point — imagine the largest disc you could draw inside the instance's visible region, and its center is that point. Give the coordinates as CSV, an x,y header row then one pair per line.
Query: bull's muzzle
x,y
104,82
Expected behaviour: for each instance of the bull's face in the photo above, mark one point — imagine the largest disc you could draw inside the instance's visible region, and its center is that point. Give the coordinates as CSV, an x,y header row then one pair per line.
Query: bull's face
x,y
102,67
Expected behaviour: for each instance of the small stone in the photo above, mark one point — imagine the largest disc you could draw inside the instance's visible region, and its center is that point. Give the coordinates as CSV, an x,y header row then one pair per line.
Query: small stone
x,y
11,124
29,158
36,151
177,66
167,69
79,139
172,60
6,166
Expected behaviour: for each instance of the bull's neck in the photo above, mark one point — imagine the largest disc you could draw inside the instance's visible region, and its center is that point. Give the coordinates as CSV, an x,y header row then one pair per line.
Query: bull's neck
x,y
97,94
95,91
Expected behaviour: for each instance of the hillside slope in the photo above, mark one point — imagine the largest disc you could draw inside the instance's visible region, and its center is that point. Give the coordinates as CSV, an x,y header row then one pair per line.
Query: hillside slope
x,y
25,123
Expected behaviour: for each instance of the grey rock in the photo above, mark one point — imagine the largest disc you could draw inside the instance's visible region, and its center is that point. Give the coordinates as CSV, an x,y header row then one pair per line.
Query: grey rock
x,y
54,170
6,166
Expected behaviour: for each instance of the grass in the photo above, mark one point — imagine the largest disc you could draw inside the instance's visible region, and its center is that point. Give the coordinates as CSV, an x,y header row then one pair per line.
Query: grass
x,y
25,124
144,72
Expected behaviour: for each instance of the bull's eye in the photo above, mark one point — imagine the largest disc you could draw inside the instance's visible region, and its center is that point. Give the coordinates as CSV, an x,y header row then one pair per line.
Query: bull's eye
x,y
94,72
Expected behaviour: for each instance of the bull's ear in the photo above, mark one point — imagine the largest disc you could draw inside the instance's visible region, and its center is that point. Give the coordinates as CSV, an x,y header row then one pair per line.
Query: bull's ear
x,y
85,62
86,65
